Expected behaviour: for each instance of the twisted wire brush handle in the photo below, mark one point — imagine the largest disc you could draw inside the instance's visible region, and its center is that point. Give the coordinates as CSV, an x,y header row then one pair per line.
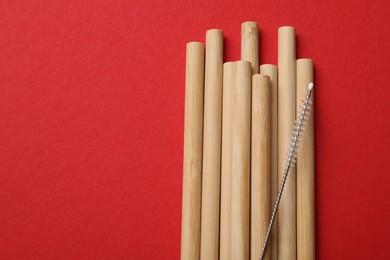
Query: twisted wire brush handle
x,y
292,153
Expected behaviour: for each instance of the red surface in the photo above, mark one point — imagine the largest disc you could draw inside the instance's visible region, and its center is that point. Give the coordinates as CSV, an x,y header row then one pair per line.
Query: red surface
x,y
91,121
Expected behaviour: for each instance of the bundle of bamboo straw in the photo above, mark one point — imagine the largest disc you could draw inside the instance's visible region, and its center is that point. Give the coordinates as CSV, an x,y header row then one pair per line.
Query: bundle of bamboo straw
x,y
237,130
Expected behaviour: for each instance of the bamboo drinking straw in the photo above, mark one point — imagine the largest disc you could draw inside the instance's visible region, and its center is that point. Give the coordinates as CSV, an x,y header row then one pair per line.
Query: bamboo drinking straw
x,y
305,171
250,44
271,71
286,117
211,145
192,165
226,160
260,164
241,161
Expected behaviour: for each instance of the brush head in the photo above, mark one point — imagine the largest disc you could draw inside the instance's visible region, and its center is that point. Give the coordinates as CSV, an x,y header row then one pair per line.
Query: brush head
x,y
311,85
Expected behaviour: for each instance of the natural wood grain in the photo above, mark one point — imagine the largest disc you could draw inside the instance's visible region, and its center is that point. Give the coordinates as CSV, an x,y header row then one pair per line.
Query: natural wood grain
x,y
260,164
241,161
250,44
286,118
192,163
305,171
272,71
226,158
211,145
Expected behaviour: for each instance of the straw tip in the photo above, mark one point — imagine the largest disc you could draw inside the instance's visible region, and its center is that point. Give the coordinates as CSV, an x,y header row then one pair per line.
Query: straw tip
x,y
286,28
195,44
249,23
311,85
214,31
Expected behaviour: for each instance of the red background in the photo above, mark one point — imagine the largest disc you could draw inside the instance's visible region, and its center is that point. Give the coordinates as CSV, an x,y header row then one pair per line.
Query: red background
x,y
91,121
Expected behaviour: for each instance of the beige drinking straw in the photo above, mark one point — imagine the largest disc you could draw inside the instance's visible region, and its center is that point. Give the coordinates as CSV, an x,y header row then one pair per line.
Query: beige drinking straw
x,y
241,161
226,158
305,171
250,44
211,145
260,163
272,71
286,118
192,163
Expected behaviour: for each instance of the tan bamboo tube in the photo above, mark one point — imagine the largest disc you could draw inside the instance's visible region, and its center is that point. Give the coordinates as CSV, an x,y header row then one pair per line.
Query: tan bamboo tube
x,y
226,158
271,71
250,44
192,163
286,118
241,131
260,164
211,145
305,171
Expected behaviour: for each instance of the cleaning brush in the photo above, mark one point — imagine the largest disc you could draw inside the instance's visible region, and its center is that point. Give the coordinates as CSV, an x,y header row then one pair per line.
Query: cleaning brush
x,y
291,156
